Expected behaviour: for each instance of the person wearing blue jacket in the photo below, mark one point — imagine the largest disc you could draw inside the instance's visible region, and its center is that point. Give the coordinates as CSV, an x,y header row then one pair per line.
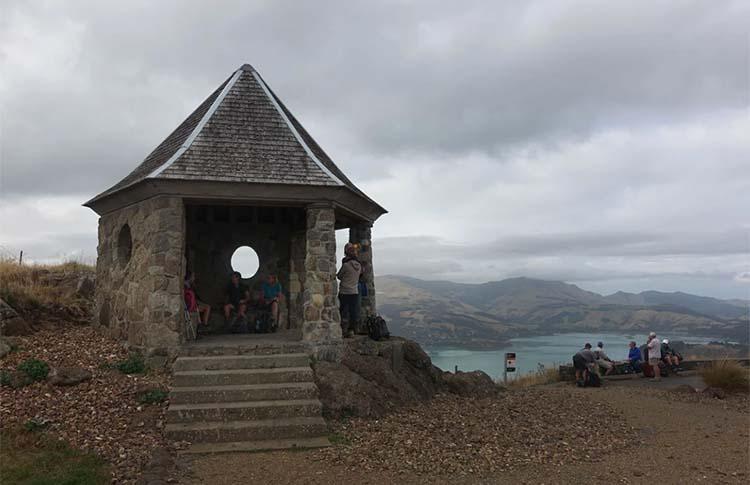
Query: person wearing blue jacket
x,y
634,356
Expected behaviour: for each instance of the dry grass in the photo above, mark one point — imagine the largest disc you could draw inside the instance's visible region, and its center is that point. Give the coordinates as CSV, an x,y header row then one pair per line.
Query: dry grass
x,y
727,375
543,375
716,351
32,288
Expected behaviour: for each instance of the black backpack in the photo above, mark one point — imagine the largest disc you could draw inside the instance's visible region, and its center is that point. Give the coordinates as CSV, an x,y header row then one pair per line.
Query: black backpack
x,y
377,328
592,380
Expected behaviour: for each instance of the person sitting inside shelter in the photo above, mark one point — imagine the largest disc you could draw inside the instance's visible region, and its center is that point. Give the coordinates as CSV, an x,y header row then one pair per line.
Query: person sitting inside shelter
x,y
583,361
192,303
603,360
669,355
634,356
237,297
349,274
271,296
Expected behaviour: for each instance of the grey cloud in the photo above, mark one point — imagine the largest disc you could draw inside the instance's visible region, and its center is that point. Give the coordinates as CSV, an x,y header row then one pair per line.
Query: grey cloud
x,y
584,141
387,77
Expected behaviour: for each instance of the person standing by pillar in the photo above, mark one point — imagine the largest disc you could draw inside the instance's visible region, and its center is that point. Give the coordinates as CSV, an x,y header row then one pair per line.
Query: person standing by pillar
x,y
349,274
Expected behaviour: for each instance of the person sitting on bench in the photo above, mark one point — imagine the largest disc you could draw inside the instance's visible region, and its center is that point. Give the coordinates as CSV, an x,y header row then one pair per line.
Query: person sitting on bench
x,y
603,360
634,357
237,297
271,296
192,303
669,355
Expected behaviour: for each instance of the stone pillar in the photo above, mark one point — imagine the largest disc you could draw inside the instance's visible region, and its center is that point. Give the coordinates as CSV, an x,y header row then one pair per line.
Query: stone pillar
x,y
321,321
362,234
297,253
165,229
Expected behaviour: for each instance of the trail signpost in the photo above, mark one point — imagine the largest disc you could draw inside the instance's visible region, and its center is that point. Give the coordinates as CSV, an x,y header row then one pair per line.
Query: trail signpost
x,y
509,365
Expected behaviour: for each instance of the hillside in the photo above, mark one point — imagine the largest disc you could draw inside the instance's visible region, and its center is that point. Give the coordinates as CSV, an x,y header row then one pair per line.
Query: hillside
x,y
486,315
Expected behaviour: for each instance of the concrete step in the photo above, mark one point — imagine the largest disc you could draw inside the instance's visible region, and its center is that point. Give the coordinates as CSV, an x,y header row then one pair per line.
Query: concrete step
x,y
245,410
230,377
199,348
249,446
242,431
225,362
249,392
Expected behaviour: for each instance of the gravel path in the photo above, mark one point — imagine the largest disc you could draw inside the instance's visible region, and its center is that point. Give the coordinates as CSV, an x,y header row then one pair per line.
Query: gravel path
x,y
101,415
543,435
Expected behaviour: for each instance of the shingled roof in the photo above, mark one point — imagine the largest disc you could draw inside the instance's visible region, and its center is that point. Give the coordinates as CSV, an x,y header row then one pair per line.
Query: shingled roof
x,y
241,133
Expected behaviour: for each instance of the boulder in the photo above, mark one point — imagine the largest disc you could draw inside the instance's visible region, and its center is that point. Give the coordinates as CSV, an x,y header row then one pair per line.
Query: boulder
x,y
470,384
4,348
714,392
376,378
684,389
68,376
11,323
85,287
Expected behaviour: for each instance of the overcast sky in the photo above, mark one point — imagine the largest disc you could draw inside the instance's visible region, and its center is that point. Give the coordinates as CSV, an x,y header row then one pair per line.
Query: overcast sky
x,y
601,143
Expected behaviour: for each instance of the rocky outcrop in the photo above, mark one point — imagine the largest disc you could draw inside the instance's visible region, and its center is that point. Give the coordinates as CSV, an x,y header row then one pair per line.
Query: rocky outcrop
x,y
376,378
86,287
11,324
470,384
68,376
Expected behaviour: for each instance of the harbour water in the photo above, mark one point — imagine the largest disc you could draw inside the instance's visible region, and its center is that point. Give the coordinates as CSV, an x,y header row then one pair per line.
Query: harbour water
x,y
548,350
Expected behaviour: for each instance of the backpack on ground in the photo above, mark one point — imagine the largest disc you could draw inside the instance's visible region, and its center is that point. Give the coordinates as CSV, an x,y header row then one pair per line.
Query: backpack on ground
x,y
239,325
377,329
263,323
592,380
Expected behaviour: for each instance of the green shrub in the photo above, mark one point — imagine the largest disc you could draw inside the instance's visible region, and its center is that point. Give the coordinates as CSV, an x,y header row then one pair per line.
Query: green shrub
x,y
338,439
15,379
727,375
36,369
134,364
33,425
153,396
6,379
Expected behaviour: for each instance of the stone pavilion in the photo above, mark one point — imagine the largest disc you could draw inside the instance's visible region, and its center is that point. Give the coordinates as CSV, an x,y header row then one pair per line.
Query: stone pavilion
x,y
239,171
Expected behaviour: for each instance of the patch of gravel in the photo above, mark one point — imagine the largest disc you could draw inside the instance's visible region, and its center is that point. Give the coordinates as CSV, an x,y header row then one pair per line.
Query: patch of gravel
x,y
738,401
100,415
454,436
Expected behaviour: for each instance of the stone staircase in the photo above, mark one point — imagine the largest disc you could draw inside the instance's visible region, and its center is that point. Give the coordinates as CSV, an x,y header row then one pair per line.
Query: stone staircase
x,y
245,398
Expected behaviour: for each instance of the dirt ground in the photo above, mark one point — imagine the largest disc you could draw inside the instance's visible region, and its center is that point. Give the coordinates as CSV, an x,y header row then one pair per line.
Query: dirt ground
x,y
672,438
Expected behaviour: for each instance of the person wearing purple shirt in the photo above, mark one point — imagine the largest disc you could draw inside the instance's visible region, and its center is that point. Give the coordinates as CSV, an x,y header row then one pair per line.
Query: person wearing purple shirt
x,y
634,356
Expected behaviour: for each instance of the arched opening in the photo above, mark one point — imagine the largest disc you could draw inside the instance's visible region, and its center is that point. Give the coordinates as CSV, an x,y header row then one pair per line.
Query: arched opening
x,y
124,246
245,260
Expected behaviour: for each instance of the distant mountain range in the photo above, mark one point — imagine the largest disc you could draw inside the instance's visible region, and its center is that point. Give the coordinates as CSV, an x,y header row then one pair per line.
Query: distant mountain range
x,y
486,315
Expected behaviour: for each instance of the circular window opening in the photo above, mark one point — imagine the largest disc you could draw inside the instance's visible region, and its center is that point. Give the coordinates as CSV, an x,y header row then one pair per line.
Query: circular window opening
x,y
124,245
245,260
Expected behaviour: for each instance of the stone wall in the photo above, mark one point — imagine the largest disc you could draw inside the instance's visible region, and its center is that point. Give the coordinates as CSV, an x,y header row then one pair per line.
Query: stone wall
x,y
139,274
321,322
